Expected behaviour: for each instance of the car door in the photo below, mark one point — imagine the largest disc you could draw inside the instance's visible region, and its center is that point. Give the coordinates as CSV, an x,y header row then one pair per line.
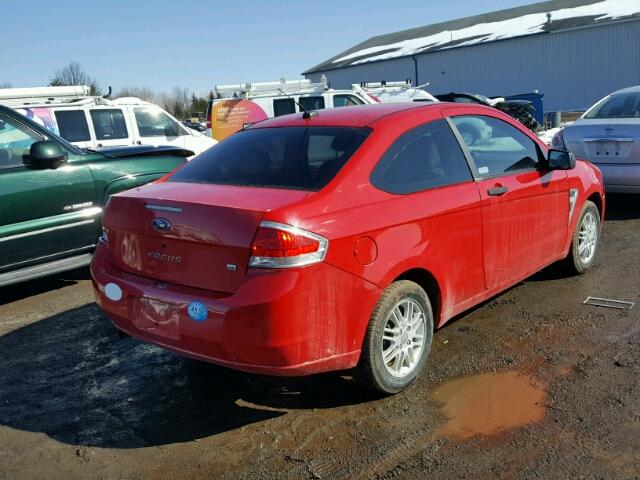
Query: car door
x,y
426,170
153,126
525,207
110,127
44,214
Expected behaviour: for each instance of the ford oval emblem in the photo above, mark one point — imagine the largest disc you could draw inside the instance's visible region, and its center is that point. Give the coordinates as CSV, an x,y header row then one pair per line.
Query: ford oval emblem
x,y
161,224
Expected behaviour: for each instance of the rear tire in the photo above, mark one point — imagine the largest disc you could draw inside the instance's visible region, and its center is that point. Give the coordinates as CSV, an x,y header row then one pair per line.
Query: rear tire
x,y
586,240
398,339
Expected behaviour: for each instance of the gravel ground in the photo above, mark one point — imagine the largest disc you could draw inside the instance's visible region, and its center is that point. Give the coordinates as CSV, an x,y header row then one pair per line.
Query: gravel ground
x,y
531,384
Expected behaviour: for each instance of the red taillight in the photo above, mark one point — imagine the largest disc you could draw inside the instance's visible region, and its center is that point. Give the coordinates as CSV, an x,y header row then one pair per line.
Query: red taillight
x,y
276,245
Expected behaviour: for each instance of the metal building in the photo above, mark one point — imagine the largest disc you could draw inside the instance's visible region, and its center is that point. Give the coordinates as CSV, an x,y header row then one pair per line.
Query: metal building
x,y
573,51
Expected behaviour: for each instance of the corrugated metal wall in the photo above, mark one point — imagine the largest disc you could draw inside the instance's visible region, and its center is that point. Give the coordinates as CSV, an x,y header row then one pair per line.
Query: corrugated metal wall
x,y
572,68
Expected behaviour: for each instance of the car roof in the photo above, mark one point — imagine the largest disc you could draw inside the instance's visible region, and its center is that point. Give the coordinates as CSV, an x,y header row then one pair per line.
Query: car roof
x,y
355,116
634,89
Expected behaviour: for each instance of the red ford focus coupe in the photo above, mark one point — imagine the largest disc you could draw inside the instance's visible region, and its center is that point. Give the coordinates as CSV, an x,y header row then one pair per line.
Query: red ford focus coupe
x,y
341,239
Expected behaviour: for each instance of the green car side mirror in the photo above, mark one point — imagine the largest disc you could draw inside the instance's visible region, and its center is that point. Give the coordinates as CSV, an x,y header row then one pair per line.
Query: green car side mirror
x,y
45,154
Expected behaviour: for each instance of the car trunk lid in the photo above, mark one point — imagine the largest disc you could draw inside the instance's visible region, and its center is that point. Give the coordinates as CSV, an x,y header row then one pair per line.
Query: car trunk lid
x,y
190,234
604,142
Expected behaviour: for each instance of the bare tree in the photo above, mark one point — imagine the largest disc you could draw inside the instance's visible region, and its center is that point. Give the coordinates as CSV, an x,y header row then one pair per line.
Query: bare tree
x,y
143,93
177,102
73,74
5,85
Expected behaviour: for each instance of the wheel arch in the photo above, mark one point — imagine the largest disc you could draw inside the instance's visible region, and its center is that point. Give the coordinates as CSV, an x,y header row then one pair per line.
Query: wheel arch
x,y
429,284
597,200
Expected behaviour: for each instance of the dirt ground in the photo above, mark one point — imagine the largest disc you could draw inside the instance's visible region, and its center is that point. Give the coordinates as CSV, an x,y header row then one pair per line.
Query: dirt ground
x,y
531,385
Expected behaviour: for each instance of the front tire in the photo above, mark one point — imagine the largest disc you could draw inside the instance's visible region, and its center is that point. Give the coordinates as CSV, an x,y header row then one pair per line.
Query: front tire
x,y
398,338
586,240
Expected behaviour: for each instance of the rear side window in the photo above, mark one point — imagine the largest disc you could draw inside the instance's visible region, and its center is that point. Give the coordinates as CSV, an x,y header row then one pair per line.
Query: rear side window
x,y
496,146
109,124
300,158
72,125
346,100
283,106
425,157
311,103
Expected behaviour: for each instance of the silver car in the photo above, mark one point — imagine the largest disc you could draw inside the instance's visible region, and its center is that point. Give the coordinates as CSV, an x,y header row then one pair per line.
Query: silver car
x,y
608,135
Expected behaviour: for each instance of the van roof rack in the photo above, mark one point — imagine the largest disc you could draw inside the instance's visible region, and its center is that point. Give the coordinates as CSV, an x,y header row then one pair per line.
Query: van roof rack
x,y
14,97
384,84
266,89
76,95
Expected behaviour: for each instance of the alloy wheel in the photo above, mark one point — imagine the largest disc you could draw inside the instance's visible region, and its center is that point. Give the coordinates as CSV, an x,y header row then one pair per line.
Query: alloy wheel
x,y
403,338
588,238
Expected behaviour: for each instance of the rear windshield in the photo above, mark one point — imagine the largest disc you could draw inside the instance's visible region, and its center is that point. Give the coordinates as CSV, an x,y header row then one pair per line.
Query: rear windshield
x,y
622,105
301,158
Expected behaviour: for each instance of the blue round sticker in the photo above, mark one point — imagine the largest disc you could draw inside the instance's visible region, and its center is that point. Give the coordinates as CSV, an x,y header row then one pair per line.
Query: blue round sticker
x,y
197,311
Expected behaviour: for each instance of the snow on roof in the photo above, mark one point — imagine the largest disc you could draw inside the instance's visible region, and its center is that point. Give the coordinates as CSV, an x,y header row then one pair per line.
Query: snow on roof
x,y
515,22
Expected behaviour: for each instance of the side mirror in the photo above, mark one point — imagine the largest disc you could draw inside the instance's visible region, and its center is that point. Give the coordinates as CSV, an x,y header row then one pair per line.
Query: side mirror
x,y
561,160
45,154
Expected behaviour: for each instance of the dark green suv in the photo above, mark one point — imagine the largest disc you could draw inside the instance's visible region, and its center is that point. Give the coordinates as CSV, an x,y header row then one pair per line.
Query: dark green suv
x,y
52,195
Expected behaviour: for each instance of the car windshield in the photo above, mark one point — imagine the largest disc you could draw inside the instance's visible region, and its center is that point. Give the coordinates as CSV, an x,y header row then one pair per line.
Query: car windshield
x,y
300,158
622,105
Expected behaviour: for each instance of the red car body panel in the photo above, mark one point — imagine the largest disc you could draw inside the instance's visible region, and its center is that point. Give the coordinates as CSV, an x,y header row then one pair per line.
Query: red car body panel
x,y
309,319
266,326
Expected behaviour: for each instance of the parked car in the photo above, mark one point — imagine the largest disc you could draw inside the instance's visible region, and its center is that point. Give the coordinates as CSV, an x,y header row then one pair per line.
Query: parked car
x,y
608,135
52,195
197,126
248,103
521,110
302,245
93,122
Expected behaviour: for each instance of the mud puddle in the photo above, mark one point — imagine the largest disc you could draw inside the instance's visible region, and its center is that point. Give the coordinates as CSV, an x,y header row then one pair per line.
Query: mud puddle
x,y
489,403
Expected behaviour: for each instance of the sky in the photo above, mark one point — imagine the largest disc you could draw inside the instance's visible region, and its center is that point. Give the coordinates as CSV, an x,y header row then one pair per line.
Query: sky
x,y
197,44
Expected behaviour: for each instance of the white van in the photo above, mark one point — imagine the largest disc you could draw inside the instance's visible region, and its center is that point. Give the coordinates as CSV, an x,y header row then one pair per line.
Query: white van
x,y
242,104
93,122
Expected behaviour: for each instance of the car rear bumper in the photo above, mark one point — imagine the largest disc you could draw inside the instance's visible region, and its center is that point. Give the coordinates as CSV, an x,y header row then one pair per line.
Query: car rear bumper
x,y
621,178
279,322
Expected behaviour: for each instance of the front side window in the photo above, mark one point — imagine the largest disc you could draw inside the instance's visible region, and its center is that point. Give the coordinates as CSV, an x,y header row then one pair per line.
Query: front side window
x,y
283,106
496,146
425,157
299,158
343,100
15,141
621,105
72,125
153,122
311,103
109,124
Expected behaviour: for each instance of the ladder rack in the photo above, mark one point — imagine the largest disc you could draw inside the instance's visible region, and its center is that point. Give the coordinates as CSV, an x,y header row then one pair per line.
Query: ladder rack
x,y
384,84
267,89
15,97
